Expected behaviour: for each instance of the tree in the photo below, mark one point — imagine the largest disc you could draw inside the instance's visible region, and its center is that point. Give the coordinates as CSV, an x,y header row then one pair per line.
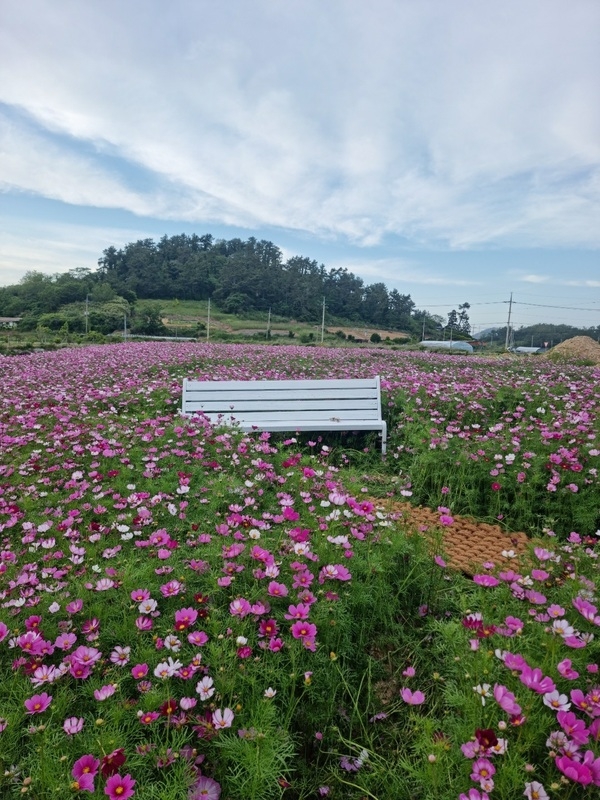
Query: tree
x,y
148,321
452,320
463,319
375,304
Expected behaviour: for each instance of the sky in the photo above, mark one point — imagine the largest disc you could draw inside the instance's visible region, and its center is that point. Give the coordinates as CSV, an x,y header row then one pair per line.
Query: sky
x,y
450,150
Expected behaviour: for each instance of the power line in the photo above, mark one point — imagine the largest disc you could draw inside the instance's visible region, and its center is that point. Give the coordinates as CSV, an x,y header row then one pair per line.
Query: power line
x,y
541,305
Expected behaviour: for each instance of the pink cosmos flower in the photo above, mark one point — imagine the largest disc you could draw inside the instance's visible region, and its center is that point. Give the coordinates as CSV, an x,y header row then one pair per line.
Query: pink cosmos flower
x,y
277,589
105,692
73,725
239,607
412,698
120,655
205,788
197,638
564,669
573,727
185,618
302,629
86,655
139,595
556,701
148,717
74,607
506,700
65,641
535,680
474,794
205,688
482,770
119,788
535,791
38,703
301,611
222,718
485,580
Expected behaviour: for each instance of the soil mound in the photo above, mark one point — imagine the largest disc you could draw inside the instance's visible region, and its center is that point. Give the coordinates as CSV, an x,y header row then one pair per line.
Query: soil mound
x,y
579,348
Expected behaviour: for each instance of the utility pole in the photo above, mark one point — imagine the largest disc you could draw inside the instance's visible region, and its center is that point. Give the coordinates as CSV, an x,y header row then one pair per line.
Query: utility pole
x,y
323,322
508,323
87,301
208,322
269,325
423,334
124,326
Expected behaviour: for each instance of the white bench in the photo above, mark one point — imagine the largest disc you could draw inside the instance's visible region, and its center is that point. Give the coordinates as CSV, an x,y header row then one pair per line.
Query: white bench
x,y
297,405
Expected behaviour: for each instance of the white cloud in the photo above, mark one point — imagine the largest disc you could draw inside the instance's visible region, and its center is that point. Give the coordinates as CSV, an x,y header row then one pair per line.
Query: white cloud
x,y
394,272
54,247
454,124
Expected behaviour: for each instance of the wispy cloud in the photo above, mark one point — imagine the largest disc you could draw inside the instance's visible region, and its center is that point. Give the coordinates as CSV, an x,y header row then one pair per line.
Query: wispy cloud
x,y
394,272
534,278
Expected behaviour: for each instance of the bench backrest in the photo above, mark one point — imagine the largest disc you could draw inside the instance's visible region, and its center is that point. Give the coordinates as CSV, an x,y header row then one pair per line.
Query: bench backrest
x,y
261,402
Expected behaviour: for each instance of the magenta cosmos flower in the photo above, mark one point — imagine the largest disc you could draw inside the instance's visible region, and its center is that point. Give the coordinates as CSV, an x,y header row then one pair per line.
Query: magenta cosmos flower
x,y
119,788
585,772
485,580
38,703
86,765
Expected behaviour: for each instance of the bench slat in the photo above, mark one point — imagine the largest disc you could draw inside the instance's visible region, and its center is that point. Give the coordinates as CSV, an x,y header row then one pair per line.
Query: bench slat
x,y
317,383
325,416
243,406
237,395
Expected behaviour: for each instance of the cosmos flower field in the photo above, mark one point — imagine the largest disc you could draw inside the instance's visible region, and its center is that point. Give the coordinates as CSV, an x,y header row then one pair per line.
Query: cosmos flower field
x,y
188,612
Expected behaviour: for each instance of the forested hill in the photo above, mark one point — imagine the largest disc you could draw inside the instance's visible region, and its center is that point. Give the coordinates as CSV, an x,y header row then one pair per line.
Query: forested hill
x,y
250,275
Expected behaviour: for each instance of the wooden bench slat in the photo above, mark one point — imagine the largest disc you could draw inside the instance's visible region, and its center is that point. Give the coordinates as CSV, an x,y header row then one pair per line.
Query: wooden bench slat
x,y
242,407
316,383
297,416
233,396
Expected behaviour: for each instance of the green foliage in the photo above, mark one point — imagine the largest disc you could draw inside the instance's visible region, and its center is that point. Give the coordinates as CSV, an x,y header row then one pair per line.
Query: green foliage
x,y
148,320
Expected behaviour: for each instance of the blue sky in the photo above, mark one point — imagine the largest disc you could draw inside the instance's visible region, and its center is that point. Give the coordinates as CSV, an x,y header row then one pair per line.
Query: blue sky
x,y
448,149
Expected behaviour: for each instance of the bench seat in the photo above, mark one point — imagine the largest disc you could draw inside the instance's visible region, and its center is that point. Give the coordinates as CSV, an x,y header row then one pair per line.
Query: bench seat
x,y
289,405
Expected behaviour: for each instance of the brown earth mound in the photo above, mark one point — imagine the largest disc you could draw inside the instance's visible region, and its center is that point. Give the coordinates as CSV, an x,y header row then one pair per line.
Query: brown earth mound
x,y
579,348
466,544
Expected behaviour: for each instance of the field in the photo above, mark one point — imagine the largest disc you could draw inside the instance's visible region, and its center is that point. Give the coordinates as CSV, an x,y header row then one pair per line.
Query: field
x,y
193,613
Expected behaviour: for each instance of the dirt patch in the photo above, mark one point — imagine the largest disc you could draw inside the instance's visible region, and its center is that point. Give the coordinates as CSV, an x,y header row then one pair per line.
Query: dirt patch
x,y
466,544
579,348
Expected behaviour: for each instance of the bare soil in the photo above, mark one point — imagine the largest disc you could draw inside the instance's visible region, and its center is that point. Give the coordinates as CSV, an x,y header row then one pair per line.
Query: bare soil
x,y
579,348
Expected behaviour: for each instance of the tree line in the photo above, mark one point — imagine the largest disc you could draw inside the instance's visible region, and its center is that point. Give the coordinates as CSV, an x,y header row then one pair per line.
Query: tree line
x,y
239,276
